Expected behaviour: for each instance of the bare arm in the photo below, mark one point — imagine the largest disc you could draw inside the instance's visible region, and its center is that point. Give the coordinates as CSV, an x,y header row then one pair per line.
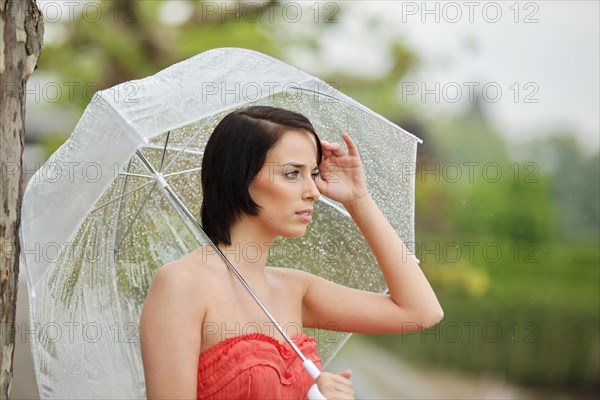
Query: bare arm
x,y
170,334
411,304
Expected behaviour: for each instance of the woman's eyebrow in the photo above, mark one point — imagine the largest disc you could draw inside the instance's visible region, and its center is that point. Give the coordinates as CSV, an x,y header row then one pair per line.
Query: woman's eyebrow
x,y
298,165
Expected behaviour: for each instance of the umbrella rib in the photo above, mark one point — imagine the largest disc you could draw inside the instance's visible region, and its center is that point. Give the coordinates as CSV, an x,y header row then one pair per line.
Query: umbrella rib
x,y
182,172
162,160
120,205
171,148
118,246
121,196
134,174
185,146
330,203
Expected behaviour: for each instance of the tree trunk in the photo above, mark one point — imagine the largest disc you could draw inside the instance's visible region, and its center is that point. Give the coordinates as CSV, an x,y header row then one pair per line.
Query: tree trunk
x,y
21,35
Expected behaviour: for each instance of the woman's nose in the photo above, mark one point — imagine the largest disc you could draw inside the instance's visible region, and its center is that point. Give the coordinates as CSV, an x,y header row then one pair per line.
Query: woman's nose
x,y
310,190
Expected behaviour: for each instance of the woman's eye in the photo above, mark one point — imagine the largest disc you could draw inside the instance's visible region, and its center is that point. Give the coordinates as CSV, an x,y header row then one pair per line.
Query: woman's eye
x,y
293,175
316,174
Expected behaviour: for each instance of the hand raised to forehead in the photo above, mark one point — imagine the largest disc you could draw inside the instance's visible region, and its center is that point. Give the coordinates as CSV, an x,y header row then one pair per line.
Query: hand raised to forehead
x,y
342,174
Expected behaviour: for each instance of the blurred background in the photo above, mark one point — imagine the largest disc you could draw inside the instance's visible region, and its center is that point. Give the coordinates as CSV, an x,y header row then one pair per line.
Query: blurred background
x,y
505,96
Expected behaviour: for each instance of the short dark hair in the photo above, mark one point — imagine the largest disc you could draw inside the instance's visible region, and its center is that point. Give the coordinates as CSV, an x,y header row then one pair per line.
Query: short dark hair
x,y
234,154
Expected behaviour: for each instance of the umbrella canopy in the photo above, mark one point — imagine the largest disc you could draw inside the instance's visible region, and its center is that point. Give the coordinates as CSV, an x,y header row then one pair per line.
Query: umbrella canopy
x,y
97,221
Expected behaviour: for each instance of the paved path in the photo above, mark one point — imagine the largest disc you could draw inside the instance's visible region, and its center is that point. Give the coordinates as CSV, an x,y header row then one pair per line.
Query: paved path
x,y
377,374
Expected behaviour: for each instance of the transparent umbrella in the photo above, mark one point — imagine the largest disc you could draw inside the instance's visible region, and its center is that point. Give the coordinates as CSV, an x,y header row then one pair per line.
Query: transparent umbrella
x,y
122,197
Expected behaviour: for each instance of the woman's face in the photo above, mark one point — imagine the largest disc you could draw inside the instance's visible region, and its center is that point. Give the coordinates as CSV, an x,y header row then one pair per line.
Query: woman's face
x,y
285,186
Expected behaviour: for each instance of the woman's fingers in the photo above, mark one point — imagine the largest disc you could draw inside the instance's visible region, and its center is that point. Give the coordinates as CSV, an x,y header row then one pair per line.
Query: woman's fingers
x,y
333,148
346,374
352,149
337,149
336,386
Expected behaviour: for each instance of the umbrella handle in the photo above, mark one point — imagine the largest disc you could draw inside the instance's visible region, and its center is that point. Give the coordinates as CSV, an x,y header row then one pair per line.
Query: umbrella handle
x,y
313,393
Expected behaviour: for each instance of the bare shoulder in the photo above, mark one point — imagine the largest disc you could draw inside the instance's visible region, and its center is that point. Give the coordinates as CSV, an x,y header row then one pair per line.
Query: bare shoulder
x,y
297,274
183,284
291,277
182,275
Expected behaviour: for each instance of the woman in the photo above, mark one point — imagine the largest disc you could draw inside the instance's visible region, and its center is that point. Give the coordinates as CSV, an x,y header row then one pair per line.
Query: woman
x,y
262,171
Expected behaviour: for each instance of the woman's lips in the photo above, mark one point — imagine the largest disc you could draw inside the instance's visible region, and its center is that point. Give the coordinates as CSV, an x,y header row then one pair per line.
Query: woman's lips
x,y
305,215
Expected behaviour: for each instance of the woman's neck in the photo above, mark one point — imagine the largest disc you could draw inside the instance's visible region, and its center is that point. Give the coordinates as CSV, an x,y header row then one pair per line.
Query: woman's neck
x,y
249,248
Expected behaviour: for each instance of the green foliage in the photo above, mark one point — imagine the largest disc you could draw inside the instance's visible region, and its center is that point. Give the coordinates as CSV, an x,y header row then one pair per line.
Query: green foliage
x,y
575,185
508,208
466,138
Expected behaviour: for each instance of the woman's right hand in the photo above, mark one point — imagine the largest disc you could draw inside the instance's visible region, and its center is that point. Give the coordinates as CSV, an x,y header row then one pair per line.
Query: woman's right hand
x,y
336,386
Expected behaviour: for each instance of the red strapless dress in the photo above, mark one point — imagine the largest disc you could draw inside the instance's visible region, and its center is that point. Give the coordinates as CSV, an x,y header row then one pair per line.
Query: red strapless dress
x,y
255,366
